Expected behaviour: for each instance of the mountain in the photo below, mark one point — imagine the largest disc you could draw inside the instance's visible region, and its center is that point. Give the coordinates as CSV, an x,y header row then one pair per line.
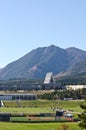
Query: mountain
x,y
38,62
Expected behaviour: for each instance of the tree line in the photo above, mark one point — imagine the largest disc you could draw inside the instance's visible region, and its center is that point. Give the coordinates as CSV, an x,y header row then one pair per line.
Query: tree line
x,y
62,94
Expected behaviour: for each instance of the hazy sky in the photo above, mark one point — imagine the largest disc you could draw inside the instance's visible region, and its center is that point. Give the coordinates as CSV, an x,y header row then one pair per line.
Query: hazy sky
x,y
28,24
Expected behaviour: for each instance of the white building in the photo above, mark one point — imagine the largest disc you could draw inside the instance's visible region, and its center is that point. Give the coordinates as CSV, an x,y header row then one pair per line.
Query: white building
x,y
75,87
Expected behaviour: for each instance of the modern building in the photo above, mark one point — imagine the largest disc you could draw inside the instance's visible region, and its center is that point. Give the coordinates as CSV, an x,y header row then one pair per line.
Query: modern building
x,y
18,96
49,82
49,78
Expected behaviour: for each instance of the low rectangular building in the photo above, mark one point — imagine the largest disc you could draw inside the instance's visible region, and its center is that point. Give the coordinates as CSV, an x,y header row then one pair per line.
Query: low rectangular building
x,y
75,87
18,96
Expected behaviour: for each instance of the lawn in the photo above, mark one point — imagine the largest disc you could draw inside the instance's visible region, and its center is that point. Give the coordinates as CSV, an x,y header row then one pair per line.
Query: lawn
x,y
41,106
25,110
35,126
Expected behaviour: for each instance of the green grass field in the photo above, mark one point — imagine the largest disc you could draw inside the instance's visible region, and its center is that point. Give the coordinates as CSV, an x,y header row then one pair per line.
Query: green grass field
x,y
38,126
41,106
25,110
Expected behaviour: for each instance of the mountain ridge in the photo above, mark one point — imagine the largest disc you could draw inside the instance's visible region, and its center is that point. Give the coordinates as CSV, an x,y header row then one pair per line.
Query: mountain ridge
x,y
36,63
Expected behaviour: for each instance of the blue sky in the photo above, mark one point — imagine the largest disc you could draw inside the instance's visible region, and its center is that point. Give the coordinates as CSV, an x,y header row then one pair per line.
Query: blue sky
x,y
28,24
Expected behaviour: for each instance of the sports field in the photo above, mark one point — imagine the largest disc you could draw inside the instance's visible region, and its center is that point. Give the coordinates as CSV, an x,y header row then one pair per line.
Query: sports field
x,y
38,126
38,106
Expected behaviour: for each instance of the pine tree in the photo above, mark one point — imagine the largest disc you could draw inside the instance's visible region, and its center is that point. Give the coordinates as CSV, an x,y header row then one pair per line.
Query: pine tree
x,y
82,116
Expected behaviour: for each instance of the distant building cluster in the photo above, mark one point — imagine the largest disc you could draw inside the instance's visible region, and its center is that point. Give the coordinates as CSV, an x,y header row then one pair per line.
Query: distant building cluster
x,y
49,80
48,84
